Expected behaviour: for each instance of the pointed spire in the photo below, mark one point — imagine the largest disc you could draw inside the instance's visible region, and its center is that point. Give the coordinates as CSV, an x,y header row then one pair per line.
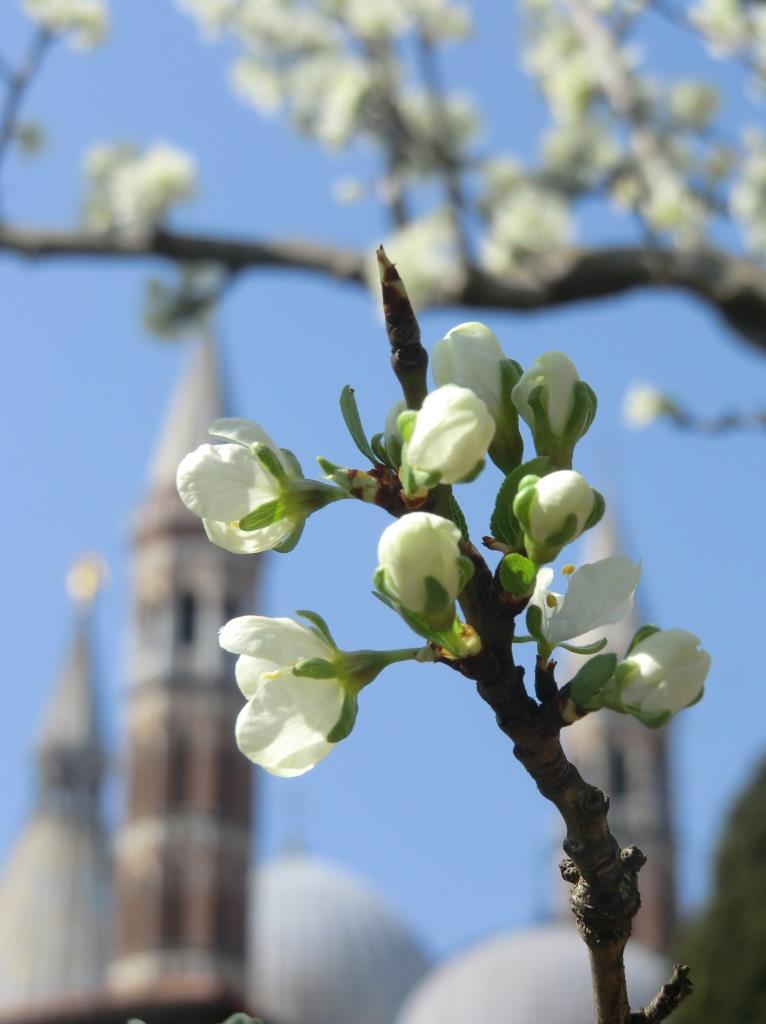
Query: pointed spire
x,y
69,746
198,401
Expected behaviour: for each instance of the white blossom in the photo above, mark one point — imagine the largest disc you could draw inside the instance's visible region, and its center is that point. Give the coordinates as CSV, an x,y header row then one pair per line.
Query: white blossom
x,y
724,22
470,355
582,151
417,546
748,194
85,22
664,673
673,207
425,252
554,510
131,191
556,375
447,438
530,220
598,594
222,483
285,724
694,104
642,405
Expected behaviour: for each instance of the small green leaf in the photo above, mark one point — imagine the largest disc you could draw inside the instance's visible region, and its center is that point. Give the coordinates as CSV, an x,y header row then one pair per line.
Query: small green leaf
x,y
467,571
293,460
346,722
315,668
291,540
351,418
642,634
319,625
457,517
269,460
592,678
518,575
594,648
265,515
535,623
379,448
504,525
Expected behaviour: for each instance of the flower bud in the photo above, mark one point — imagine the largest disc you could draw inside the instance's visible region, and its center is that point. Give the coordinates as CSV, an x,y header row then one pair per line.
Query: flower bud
x,y
470,356
392,435
558,407
445,441
554,510
663,673
418,548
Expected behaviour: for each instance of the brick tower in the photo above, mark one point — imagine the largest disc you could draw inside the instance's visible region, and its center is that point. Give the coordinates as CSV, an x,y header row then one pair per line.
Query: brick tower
x,y
182,854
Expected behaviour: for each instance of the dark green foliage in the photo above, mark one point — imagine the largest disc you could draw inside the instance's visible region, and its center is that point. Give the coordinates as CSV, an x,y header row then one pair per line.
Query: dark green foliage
x,y
726,946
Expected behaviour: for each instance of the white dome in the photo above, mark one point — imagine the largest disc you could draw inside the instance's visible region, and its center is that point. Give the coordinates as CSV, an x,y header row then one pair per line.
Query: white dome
x,y
326,949
524,978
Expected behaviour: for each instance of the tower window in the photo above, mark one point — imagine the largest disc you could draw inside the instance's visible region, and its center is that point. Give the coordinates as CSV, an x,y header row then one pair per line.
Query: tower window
x,y
617,777
187,615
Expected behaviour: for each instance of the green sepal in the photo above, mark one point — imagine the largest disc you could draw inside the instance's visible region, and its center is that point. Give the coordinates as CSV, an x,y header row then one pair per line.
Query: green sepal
x,y
466,569
378,445
597,512
347,720
318,625
447,637
416,481
293,460
518,575
507,447
594,648
584,406
651,721
534,620
591,679
642,634
437,598
309,496
405,421
315,668
457,517
542,434
265,515
351,418
291,540
269,460
504,524
470,477
567,532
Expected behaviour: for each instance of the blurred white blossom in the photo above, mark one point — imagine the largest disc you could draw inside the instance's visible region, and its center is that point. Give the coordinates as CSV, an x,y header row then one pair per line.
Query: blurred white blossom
x,y
426,255
131,192
693,104
748,195
85,22
531,220
643,404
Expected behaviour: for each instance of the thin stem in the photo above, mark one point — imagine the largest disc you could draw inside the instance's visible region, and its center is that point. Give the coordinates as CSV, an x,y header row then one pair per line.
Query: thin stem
x,y
18,83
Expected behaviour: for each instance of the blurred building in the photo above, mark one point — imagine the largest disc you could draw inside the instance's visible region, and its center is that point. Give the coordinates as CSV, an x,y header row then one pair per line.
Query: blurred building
x,y
166,921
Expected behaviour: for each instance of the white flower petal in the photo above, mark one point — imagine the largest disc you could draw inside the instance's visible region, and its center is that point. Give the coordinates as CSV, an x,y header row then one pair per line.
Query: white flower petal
x,y
284,726
223,482
249,673
418,545
281,641
248,542
599,594
452,433
244,432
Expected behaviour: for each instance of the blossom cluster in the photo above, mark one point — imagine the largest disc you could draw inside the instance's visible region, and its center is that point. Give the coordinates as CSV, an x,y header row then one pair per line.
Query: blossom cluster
x,y
301,689
131,191
84,22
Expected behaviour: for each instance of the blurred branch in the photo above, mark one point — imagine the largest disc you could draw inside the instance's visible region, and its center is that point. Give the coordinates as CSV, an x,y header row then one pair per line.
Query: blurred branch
x,y
733,286
668,999
716,424
18,83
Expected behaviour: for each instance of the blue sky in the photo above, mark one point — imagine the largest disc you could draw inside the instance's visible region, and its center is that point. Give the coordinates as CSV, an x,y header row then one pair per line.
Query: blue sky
x,y
425,798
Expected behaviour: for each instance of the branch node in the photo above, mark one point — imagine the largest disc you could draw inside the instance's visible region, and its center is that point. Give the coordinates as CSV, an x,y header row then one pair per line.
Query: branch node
x,y
569,871
633,858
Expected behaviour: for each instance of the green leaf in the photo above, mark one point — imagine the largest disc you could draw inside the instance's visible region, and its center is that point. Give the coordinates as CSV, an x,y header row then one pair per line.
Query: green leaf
x,y
594,648
592,678
535,623
293,460
315,668
379,448
291,540
269,460
347,720
265,515
518,575
351,418
642,634
467,571
504,524
457,516
319,624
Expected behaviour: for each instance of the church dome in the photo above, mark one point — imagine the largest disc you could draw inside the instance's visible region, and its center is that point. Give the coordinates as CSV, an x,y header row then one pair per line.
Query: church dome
x,y
326,948
524,978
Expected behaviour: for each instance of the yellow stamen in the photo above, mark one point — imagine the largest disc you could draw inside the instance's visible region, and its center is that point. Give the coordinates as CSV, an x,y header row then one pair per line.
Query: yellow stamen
x,y
234,524
568,569
551,601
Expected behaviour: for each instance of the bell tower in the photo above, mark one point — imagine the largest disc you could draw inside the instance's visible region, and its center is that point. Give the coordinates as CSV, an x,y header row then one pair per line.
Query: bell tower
x,y
183,852
630,763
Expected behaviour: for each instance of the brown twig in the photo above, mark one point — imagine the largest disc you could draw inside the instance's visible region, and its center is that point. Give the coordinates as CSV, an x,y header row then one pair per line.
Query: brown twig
x,y
18,83
668,999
